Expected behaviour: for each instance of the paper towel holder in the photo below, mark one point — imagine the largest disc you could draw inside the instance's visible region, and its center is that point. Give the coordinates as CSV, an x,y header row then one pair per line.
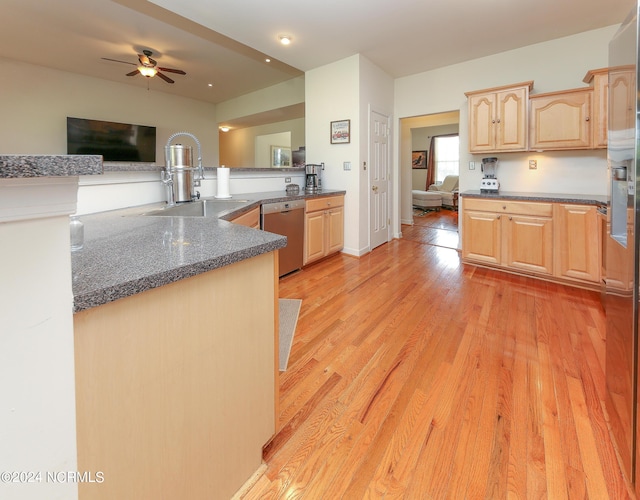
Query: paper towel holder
x,y
222,182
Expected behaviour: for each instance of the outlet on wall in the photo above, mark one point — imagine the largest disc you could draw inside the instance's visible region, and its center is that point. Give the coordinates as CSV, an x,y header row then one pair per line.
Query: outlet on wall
x,y
533,164
287,179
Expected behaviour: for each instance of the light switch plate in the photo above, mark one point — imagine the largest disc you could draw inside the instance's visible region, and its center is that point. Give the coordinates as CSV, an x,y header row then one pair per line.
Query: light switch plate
x,y
346,165
472,165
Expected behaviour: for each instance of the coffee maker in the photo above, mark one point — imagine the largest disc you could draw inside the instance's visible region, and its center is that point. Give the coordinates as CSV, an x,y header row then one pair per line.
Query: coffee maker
x,y
489,182
313,183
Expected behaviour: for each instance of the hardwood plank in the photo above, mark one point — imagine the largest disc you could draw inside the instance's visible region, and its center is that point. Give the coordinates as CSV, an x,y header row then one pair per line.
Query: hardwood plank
x,y
414,376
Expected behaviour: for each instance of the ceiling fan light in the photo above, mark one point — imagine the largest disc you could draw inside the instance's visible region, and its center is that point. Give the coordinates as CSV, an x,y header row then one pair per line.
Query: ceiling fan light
x,y
146,71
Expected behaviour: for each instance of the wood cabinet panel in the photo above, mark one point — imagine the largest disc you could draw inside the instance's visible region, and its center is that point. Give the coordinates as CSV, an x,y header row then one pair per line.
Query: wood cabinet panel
x,y
498,118
250,219
577,245
599,80
324,227
178,382
561,120
482,239
528,243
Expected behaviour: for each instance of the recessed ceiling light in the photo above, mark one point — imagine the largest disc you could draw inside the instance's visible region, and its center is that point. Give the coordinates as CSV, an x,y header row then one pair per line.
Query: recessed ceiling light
x,y
285,39
224,129
267,60
210,84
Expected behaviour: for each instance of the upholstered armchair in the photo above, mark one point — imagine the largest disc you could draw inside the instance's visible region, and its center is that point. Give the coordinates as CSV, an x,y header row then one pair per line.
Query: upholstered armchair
x,y
448,188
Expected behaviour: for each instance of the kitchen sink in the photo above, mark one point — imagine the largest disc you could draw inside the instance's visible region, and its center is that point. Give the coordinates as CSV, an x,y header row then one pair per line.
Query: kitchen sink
x,y
200,208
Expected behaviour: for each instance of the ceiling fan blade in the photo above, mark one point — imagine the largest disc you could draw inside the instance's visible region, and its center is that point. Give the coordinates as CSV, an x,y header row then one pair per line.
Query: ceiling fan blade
x,y
164,77
116,60
171,70
133,73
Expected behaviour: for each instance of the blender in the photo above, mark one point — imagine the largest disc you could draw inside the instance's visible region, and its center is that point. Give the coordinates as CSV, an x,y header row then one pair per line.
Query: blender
x,y
489,182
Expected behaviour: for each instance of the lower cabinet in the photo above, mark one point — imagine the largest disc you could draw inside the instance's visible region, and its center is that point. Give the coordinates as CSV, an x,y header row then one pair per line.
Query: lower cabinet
x,y
249,219
577,242
177,386
324,227
544,239
509,234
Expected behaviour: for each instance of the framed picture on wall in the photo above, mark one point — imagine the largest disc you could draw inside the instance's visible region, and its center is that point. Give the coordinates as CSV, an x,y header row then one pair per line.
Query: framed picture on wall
x,y
340,132
280,157
418,159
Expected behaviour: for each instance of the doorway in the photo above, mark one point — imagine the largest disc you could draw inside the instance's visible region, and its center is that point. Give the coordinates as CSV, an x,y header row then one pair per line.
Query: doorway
x,y
416,135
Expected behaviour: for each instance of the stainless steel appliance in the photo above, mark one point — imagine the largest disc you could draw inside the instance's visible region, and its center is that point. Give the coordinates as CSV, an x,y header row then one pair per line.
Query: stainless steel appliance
x,y
621,248
313,182
489,182
180,176
287,219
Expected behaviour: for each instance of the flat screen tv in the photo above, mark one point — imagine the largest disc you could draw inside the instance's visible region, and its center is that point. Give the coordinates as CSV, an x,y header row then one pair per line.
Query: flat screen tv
x,y
114,141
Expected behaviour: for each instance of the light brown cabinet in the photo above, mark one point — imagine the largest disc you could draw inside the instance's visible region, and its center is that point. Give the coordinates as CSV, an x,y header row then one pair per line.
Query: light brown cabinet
x,y
324,227
510,234
249,219
498,118
180,379
577,242
561,120
552,240
599,81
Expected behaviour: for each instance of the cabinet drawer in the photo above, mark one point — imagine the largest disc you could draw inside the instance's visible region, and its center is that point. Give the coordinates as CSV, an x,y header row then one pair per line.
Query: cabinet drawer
x,y
324,203
509,207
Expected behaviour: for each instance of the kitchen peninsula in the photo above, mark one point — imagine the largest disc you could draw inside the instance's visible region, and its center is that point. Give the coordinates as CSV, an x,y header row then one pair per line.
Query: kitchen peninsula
x,y
175,331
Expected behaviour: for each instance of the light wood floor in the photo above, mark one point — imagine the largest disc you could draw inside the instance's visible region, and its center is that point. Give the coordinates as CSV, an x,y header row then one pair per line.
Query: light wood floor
x,y
413,376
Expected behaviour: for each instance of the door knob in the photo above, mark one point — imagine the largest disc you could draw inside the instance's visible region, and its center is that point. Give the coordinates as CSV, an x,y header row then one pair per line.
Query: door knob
x,y
375,189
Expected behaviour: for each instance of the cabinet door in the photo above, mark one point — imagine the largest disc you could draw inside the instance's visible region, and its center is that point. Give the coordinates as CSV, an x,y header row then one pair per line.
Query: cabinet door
x,y
481,237
576,242
335,230
600,109
250,219
482,122
561,120
511,123
314,236
528,243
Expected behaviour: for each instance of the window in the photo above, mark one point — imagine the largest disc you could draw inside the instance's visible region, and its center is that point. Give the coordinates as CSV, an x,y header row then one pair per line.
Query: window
x,y
447,160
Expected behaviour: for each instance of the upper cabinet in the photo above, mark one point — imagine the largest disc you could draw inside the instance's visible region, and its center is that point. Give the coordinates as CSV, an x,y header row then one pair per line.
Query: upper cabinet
x,y
510,118
498,118
561,120
599,81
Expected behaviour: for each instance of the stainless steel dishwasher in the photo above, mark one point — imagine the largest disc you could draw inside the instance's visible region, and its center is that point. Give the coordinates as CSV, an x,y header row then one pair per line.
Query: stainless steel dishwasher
x,y
287,219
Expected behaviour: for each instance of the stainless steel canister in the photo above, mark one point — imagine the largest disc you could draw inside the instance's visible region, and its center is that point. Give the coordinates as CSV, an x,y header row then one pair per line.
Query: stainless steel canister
x,y
179,162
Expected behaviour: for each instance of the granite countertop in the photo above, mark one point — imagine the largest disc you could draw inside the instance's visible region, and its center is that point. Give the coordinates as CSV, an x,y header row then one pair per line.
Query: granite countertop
x,y
26,166
126,252
585,199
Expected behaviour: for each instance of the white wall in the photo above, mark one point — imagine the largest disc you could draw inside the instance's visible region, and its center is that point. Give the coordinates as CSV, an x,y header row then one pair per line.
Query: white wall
x,y
346,90
37,407
553,65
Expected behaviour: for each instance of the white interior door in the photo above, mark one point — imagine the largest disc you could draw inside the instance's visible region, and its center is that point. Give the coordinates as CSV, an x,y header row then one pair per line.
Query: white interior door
x,y
378,179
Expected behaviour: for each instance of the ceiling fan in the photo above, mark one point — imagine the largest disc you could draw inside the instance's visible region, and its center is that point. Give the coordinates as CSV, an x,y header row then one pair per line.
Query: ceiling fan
x,y
148,67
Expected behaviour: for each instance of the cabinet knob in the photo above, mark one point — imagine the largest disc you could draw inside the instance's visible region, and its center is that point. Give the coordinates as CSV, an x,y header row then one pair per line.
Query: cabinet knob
x,y
510,218
504,207
498,216
493,121
587,118
498,120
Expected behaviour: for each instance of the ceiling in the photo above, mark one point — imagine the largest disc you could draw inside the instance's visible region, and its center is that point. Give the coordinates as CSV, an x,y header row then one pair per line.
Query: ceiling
x,y
225,43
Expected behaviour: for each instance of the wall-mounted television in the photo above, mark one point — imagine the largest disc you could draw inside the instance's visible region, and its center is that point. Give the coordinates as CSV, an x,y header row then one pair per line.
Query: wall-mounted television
x,y
114,141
